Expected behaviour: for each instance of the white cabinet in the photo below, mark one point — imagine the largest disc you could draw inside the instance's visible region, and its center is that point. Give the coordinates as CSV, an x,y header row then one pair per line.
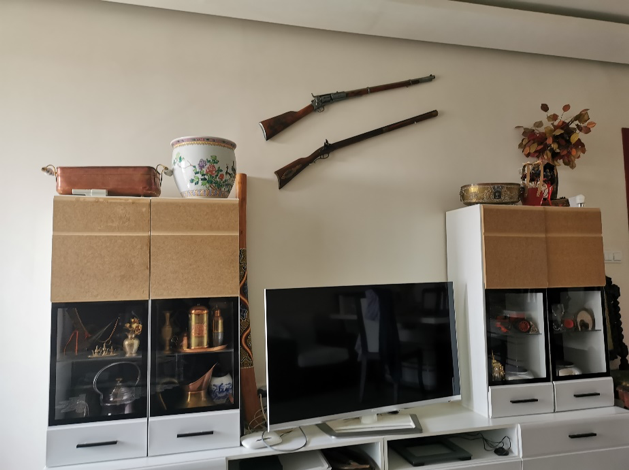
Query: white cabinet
x,y
530,316
611,459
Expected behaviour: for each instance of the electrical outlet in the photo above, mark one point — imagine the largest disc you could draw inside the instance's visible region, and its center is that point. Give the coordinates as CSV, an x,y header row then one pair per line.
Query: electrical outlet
x,y
613,257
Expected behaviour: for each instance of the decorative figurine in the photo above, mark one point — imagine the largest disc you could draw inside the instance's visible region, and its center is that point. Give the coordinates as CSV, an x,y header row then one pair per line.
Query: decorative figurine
x,y
585,320
497,370
197,328
103,351
167,331
132,343
217,328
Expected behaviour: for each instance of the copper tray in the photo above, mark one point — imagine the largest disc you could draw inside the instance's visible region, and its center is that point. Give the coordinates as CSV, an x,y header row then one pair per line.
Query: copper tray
x,y
116,180
199,350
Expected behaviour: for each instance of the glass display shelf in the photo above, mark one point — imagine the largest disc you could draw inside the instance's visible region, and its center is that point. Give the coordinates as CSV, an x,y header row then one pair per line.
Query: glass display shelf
x,y
517,349
98,362
578,344
195,357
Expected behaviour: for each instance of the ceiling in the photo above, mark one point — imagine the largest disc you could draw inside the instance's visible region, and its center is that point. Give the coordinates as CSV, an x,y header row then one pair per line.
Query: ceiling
x,y
510,25
616,11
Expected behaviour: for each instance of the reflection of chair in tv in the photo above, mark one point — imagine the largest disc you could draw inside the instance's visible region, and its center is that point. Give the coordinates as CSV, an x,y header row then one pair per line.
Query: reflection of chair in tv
x,y
379,340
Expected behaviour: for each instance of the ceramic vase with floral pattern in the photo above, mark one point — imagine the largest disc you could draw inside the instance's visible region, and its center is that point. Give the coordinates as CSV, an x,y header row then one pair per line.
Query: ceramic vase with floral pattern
x,y
204,167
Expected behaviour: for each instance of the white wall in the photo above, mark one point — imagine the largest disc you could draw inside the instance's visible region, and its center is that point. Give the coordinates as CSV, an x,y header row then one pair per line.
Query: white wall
x,y
94,83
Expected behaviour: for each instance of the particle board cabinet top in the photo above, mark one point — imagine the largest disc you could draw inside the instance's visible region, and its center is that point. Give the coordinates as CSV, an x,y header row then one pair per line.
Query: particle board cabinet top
x,y
540,247
194,248
100,249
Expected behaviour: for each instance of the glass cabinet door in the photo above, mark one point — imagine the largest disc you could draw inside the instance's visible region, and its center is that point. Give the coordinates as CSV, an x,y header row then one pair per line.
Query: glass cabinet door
x,y
577,323
194,355
517,348
98,361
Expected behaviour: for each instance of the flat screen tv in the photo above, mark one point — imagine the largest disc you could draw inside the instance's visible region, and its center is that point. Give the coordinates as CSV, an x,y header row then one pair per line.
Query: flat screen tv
x,y
353,351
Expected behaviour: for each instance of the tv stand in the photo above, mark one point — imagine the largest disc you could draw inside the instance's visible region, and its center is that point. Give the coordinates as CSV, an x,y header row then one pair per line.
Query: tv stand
x,y
372,425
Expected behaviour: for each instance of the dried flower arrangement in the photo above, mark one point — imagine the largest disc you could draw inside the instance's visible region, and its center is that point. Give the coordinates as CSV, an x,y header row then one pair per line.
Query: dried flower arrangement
x,y
560,141
134,327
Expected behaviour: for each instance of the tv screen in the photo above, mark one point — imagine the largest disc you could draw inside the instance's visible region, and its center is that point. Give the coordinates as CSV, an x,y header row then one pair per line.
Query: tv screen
x,y
336,352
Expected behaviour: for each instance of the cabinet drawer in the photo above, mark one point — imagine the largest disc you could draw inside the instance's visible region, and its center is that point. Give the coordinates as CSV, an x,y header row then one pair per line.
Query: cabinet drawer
x,y
579,435
514,465
214,464
95,442
583,394
192,432
517,400
611,459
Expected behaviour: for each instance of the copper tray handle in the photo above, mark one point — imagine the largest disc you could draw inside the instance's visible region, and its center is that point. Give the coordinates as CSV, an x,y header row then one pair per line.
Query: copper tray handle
x,y
50,170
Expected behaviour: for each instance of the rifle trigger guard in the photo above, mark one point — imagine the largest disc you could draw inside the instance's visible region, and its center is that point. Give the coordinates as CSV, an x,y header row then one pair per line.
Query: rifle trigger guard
x,y
326,146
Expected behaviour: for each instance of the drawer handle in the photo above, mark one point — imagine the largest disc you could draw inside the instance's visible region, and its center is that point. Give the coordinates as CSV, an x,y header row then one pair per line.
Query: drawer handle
x,y
528,400
195,434
583,395
581,436
97,444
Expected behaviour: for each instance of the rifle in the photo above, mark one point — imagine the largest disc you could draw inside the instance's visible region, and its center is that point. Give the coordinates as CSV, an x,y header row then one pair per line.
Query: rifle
x,y
273,126
288,172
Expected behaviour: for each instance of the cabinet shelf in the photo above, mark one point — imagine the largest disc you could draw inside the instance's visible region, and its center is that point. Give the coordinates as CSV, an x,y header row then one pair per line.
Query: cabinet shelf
x,y
576,332
84,358
194,353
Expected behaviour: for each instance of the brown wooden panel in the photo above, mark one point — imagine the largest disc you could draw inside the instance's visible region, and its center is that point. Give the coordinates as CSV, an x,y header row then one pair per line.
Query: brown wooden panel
x,y
575,247
103,215
514,247
194,215
516,262
88,268
513,220
100,249
188,266
194,248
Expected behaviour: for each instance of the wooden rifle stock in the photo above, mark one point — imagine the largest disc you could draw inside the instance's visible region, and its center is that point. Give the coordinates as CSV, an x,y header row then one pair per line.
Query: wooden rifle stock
x,y
273,126
286,174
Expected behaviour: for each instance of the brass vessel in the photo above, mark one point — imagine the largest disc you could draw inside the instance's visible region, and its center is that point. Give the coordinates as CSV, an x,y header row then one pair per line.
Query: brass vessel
x,y
490,193
195,393
217,328
198,327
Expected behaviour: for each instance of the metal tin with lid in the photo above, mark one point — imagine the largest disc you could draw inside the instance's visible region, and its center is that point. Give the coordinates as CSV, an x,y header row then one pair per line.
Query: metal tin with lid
x,y
198,327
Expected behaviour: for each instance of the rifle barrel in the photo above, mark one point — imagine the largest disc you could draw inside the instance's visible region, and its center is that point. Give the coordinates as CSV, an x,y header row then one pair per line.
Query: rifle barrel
x,y
389,86
382,130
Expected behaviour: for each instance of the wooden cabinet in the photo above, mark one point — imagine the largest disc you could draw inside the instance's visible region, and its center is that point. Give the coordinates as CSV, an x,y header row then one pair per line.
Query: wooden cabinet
x,y
539,247
100,249
194,248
